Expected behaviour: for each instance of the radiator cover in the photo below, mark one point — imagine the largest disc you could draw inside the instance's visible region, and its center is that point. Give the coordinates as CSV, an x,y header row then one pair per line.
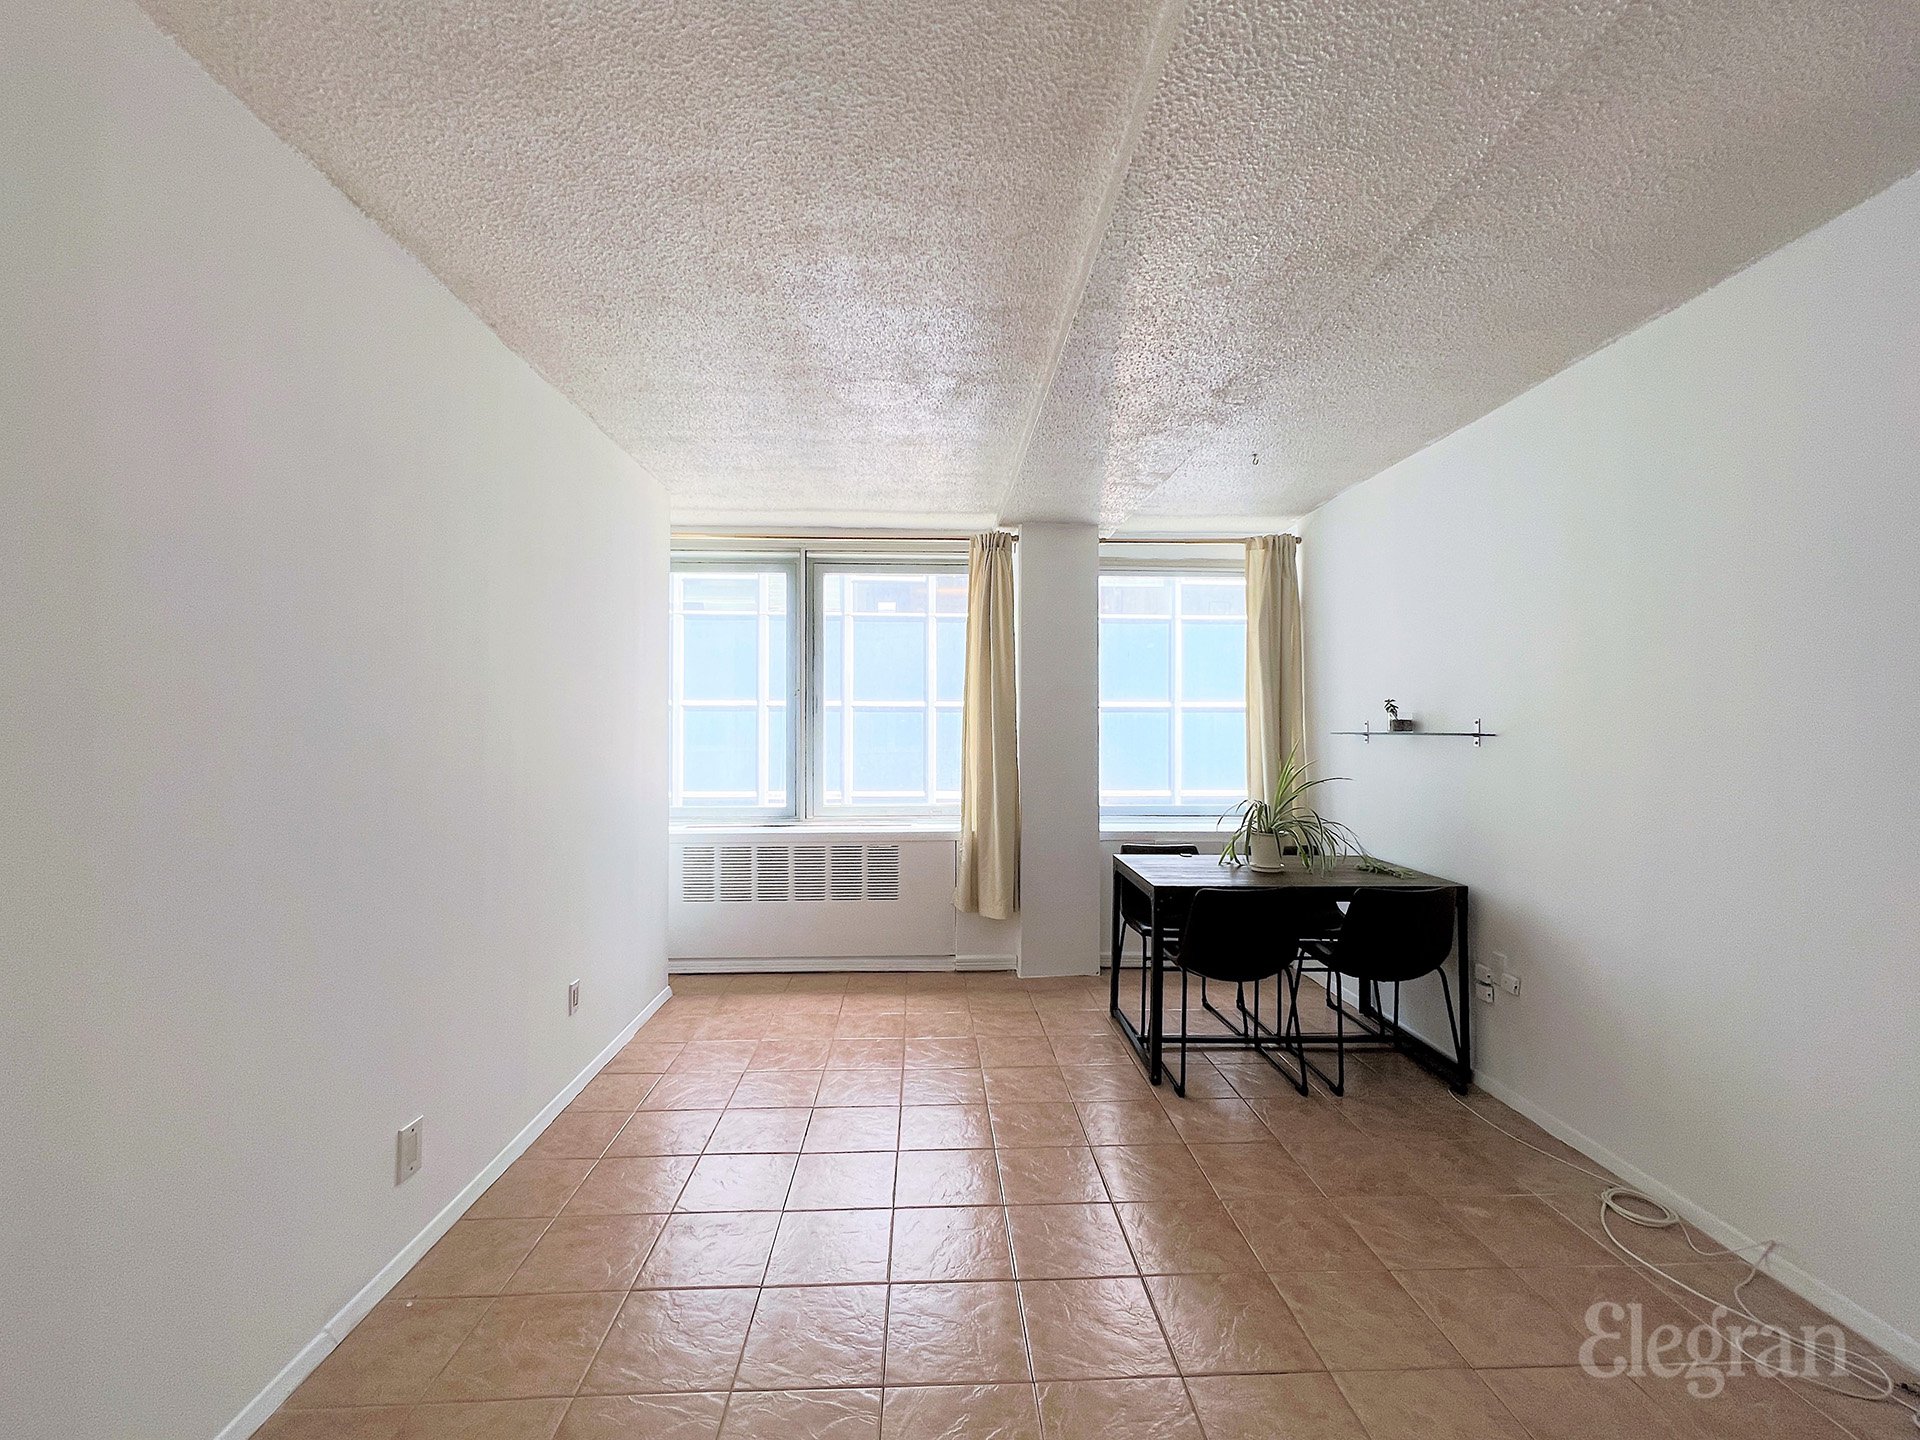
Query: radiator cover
x,y
821,897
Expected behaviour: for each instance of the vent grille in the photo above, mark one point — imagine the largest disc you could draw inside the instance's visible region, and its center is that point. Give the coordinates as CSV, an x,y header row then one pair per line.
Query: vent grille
x,y
697,873
809,872
736,872
777,874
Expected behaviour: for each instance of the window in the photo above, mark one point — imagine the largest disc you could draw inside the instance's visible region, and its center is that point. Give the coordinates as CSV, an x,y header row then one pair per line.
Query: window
x,y
733,638
1173,691
817,685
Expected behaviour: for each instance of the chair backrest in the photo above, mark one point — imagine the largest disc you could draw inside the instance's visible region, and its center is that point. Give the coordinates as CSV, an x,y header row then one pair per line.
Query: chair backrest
x,y
1242,935
1133,905
1395,935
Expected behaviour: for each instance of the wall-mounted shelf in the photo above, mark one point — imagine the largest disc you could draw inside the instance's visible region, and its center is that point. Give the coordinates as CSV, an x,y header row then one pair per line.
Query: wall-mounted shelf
x,y
1368,733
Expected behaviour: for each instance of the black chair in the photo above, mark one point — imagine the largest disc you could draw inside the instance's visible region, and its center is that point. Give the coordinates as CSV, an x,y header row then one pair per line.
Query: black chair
x,y
1387,937
1244,937
1137,915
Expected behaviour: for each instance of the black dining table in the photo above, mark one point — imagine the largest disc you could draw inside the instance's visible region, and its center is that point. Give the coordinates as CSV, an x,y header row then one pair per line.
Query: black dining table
x,y
1167,883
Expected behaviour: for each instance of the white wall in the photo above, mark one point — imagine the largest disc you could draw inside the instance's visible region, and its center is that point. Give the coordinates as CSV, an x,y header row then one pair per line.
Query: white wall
x,y
1056,652
332,649
1679,579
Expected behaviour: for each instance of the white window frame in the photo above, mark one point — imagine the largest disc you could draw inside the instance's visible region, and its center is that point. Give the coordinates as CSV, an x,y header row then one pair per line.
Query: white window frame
x,y
807,569
1212,808
790,565
819,567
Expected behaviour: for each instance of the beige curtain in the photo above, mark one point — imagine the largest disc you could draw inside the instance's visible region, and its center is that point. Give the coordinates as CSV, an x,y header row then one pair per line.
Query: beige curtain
x,y
1276,696
989,878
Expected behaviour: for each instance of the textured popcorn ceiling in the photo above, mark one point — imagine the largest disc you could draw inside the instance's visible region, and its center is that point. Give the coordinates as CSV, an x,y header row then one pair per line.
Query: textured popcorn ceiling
x,y
1070,258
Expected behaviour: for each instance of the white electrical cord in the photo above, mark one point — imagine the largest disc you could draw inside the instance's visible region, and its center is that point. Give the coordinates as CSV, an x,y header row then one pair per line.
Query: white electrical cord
x,y
1643,1210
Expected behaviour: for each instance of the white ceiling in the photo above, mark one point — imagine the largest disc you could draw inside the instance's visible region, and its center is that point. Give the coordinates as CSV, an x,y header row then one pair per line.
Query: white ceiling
x,y
916,261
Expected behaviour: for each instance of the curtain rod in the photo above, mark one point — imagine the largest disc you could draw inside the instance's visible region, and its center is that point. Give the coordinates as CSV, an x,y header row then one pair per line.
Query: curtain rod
x,y
856,539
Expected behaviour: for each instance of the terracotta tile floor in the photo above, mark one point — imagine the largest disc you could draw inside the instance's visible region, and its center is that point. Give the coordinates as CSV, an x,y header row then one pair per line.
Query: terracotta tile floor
x,y
947,1207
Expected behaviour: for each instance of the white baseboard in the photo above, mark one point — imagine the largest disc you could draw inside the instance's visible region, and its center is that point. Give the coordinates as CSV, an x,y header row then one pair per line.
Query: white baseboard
x,y
1876,1331
817,964
317,1349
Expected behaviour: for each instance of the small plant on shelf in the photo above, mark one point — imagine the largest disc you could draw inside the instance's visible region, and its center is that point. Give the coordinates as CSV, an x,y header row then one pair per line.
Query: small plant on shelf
x,y
1269,828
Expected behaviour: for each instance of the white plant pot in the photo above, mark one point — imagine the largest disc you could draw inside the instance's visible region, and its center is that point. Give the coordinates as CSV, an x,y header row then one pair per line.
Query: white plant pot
x,y
1264,854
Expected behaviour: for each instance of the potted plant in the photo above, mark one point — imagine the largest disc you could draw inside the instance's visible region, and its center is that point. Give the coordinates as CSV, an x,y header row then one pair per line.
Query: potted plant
x,y
1269,828
1395,721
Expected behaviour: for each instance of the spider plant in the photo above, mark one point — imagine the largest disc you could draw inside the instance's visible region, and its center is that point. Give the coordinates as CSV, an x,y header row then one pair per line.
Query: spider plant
x,y
1288,818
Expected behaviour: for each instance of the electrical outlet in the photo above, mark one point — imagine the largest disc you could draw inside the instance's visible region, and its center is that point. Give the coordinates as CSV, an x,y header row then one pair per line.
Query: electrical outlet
x,y
1510,982
573,997
407,1151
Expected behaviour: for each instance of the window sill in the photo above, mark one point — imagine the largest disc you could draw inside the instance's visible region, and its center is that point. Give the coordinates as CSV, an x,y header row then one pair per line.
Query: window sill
x,y
1146,827
875,826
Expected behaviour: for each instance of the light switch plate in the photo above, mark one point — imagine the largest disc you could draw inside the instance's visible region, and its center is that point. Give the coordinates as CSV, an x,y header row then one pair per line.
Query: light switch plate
x,y
407,1151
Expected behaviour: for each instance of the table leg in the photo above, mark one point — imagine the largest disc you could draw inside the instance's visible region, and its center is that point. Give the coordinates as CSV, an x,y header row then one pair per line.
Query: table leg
x,y
1156,996
1113,995
1463,1070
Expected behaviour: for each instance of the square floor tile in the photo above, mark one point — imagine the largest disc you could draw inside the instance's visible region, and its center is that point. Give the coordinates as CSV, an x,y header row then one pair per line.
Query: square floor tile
x,y
393,1354
831,1247
1117,1410
853,1127
668,1340
966,1333
946,1177
809,1337
802,1415
1427,1405
738,1182
842,1182
1229,1325
1191,1236
711,1248
1493,1318
474,1257
657,1417
935,1243
1363,1320
961,1412
1068,1242
1273,1407
945,1127
631,1185
587,1252
527,1345
1093,1329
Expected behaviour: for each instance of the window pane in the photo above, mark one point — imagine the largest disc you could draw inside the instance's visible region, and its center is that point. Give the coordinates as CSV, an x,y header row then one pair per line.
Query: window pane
x,y
1213,660
1225,596
830,768
946,759
709,593
1158,682
950,593
1136,595
1135,660
952,637
889,755
887,594
833,655
1135,759
1213,754
778,752
889,659
722,657
719,762
731,661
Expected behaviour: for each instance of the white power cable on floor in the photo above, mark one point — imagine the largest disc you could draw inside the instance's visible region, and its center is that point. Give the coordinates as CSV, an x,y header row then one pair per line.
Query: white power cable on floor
x,y
1643,1210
